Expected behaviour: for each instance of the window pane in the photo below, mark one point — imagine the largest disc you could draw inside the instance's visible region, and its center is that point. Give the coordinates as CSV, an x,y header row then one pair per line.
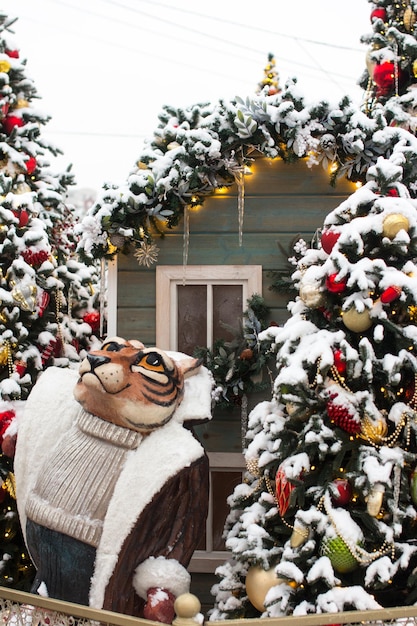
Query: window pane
x,y
222,485
227,309
192,317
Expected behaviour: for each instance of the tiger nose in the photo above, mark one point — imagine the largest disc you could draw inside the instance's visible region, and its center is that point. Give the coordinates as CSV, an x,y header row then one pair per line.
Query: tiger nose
x,y
96,360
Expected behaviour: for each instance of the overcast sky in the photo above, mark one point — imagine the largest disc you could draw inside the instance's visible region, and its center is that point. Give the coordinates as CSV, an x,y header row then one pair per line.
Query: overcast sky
x,y
105,68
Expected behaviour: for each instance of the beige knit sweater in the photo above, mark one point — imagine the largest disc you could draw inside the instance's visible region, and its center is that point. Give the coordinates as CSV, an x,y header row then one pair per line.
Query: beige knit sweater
x,y
72,494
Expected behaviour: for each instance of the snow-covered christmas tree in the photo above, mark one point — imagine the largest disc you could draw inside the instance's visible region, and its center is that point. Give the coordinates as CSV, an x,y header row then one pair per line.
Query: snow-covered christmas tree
x,y
44,290
325,520
47,314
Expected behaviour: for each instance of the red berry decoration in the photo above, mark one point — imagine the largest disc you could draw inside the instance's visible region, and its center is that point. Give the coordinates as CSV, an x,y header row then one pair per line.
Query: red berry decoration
x,y
10,122
339,361
393,193
380,14
390,294
35,259
340,416
335,284
283,490
93,319
341,492
328,240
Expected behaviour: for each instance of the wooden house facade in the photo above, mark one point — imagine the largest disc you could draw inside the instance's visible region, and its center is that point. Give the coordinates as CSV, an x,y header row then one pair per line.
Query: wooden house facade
x,y
207,267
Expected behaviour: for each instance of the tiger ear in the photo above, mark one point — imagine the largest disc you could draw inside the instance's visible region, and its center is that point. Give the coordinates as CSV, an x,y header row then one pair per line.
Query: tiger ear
x,y
135,343
189,366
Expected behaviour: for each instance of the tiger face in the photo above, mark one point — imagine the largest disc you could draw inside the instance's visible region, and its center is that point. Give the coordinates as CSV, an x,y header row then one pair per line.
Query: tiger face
x,y
132,386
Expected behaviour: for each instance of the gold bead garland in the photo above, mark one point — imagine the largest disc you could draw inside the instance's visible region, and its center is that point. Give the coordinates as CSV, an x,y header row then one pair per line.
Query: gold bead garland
x,y
360,554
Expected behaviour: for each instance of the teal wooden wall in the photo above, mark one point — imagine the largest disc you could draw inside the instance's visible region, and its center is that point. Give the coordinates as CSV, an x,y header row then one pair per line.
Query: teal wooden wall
x,y
281,201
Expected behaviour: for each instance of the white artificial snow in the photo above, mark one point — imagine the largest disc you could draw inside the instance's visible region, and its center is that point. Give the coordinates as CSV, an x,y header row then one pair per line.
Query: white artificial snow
x,y
160,572
343,598
322,569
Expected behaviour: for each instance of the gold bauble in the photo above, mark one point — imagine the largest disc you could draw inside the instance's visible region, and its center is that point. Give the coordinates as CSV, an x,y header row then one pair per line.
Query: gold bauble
x,y
357,321
393,223
4,66
409,19
258,583
298,411
4,355
414,66
21,104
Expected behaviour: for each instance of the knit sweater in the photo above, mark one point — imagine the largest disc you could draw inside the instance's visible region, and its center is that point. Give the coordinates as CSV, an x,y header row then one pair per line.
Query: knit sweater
x,y
73,492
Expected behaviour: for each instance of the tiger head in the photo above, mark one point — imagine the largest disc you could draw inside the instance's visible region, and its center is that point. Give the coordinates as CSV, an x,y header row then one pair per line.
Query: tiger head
x,y
132,386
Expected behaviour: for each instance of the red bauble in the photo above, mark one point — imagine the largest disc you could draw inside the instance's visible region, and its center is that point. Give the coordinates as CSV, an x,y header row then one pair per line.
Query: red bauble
x,y
10,122
390,294
20,367
339,361
340,416
283,490
13,54
159,606
30,165
393,193
342,492
6,418
335,284
384,77
93,319
328,239
379,13
22,216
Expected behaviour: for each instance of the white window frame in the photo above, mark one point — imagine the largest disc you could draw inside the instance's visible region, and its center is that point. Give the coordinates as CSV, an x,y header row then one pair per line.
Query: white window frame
x,y
168,277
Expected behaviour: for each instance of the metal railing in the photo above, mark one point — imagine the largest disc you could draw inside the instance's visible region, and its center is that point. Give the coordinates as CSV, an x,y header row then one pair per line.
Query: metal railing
x,y
24,609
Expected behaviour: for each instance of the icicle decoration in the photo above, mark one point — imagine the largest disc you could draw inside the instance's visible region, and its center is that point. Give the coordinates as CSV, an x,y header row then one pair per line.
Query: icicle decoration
x,y
186,242
239,174
396,68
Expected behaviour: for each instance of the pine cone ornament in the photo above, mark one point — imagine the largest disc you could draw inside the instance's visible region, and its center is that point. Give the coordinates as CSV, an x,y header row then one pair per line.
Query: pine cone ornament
x,y
340,415
340,556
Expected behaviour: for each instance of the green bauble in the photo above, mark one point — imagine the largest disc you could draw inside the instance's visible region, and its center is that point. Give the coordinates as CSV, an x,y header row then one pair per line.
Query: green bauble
x,y
339,554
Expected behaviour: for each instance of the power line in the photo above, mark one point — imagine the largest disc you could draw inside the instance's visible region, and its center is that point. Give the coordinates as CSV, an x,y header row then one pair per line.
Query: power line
x,y
225,21
292,62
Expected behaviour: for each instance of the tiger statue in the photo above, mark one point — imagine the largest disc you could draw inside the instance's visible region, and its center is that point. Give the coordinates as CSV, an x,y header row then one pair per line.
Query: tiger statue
x,y
111,483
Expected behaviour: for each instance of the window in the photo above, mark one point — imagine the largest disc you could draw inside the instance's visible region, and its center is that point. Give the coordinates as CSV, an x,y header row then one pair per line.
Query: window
x,y
195,306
